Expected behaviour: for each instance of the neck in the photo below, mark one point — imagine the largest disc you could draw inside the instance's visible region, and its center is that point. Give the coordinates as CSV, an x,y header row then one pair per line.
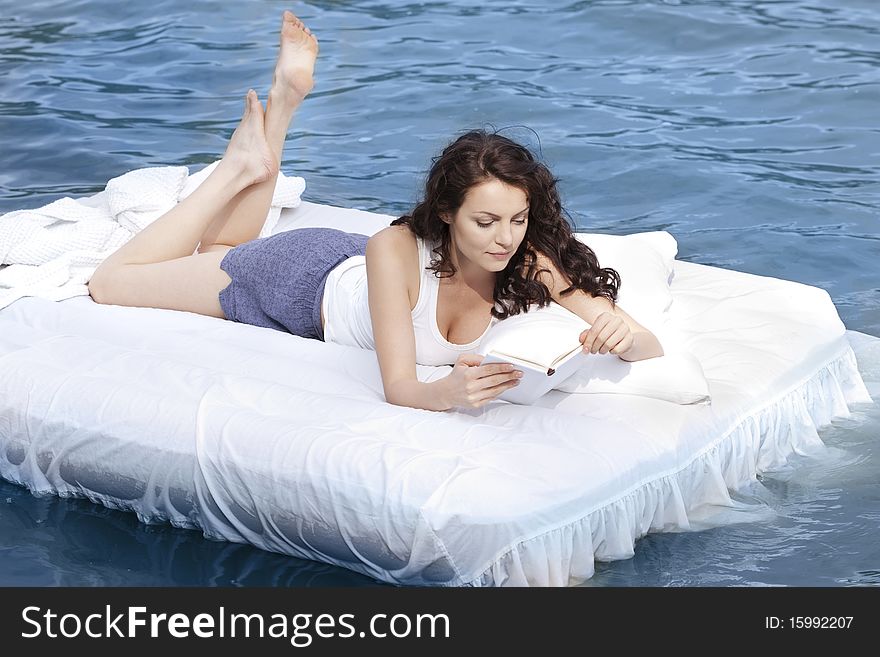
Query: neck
x,y
469,274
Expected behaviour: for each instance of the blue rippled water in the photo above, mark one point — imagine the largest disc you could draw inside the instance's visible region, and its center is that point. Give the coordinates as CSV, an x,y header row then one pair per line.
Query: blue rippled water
x,y
748,129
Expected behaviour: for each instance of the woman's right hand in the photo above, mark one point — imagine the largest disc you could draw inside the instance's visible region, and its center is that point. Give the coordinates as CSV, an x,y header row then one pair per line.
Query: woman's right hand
x,y
472,385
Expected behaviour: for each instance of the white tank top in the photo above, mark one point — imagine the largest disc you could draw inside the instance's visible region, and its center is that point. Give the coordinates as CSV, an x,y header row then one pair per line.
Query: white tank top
x,y
347,312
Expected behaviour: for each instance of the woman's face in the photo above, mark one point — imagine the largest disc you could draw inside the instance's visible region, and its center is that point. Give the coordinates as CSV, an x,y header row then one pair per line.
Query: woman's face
x,y
490,225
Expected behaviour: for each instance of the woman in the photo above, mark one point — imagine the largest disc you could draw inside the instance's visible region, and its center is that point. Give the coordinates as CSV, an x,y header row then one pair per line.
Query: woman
x,y
488,240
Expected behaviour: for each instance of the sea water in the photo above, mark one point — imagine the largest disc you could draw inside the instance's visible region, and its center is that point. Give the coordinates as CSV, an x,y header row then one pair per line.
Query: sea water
x,y
747,129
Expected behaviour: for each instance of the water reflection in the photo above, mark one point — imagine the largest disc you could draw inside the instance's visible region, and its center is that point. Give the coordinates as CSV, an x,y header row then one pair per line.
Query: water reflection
x,y
51,541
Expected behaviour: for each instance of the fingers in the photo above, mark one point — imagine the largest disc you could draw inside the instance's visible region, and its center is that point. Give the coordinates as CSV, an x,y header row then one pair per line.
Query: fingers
x,y
499,379
624,345
485,395
477,382
481,384
606,334
609,337
589,337
488,369
495,368
469,360
485,383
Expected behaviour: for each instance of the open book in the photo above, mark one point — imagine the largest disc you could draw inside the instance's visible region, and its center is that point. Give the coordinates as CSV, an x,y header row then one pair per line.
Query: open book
x,y
544,343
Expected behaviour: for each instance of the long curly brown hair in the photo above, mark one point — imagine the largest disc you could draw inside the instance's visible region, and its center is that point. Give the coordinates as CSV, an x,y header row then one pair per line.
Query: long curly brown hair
x,y
478,156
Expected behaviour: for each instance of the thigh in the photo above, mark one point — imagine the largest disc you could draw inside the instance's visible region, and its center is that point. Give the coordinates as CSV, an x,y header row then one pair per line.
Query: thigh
x,y
191,284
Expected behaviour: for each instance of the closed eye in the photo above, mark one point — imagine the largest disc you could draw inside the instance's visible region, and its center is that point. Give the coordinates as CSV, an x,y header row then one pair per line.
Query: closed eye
x,y
518,222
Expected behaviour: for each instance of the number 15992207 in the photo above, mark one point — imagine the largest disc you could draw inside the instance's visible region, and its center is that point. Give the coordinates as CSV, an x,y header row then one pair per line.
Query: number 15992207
x,y
808,622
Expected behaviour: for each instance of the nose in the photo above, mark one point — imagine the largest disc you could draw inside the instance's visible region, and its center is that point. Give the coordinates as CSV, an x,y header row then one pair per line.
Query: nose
x,y
504,235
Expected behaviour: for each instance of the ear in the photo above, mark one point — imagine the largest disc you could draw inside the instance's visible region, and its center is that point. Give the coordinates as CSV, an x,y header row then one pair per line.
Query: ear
x,y
444,217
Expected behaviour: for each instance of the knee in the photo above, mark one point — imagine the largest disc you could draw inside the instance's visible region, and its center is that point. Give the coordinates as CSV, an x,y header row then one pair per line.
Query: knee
x,y
99,288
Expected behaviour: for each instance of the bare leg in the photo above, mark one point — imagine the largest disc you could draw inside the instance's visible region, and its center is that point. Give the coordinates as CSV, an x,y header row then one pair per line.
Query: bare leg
x,y
243,217
157,267
248,160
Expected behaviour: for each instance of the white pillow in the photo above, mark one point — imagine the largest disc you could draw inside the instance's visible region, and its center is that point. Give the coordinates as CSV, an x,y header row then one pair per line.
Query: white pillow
x,y
673,377
645,262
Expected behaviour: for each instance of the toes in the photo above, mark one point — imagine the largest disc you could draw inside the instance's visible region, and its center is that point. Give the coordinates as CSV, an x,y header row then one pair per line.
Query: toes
x,y
289,17
254,103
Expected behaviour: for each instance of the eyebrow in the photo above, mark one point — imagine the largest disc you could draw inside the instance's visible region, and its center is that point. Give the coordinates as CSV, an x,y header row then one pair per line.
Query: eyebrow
x,y
495,216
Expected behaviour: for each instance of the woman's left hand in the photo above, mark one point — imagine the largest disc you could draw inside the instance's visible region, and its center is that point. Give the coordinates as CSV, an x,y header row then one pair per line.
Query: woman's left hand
x,y
609,333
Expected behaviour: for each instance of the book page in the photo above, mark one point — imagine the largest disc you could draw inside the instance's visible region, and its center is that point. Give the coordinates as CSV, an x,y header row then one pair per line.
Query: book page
x,y
543,337
536,382
543,343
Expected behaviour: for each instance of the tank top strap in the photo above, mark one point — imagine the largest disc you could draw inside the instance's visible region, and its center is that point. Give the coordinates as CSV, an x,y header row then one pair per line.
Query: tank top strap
x,y
425,254
428,282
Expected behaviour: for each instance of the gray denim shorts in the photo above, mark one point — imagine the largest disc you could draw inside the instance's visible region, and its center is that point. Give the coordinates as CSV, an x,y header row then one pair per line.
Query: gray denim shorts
x,y
278,281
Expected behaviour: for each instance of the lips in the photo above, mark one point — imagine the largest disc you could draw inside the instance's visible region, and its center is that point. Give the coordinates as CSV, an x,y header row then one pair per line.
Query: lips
x,y
503,253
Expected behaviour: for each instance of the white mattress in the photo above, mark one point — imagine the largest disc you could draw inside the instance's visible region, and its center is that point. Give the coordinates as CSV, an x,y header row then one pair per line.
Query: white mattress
x,y
257,436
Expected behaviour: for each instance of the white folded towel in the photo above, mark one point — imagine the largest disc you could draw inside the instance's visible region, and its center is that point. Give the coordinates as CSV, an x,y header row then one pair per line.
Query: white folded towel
x,y
52,251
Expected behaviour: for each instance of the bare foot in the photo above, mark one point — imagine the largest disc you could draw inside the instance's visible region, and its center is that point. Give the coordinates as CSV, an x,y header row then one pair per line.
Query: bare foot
x,y
248,153
293,78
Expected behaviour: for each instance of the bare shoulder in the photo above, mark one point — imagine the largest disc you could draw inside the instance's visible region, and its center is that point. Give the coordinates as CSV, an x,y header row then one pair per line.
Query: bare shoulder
x,y
393,253
550,275
393,241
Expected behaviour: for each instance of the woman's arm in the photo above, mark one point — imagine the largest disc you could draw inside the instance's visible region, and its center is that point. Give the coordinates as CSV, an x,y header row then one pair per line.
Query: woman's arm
x,y
469,384
391,318
611,328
